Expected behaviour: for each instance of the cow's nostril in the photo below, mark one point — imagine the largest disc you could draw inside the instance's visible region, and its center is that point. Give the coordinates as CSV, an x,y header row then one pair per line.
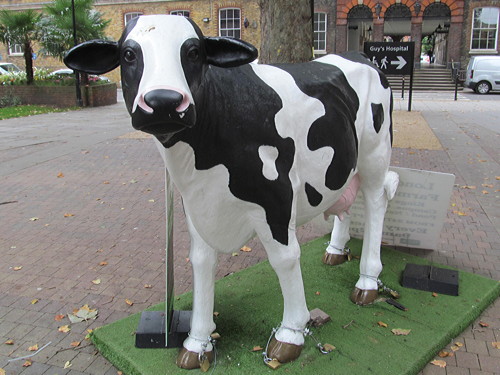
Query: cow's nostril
x,y
163,100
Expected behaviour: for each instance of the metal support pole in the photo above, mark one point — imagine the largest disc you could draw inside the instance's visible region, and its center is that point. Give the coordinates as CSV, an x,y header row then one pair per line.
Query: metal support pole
x,y
403,87
411,91
79,102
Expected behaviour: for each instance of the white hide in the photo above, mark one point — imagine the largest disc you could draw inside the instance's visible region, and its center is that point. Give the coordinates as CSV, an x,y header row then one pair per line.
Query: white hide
x,y
162,66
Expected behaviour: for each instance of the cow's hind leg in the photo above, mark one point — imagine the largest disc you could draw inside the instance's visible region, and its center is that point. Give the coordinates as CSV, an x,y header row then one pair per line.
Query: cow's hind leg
x,y
197,346
289,338
376,195
335,252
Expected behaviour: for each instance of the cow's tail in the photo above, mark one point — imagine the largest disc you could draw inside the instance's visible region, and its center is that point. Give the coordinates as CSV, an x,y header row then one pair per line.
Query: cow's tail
x,y
391,183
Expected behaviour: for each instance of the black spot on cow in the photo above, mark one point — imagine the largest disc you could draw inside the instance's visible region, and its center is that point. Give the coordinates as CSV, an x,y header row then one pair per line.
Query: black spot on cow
x,y
313,196
336,128
378,116
236,117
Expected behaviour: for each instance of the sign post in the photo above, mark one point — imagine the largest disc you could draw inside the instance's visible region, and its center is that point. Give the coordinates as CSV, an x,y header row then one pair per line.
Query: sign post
x,y
394,58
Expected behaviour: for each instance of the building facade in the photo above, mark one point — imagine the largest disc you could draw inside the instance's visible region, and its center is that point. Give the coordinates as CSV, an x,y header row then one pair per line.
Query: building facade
x,y
457,29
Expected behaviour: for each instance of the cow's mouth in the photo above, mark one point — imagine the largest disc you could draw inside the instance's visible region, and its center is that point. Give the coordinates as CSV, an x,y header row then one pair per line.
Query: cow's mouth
x,y
163,122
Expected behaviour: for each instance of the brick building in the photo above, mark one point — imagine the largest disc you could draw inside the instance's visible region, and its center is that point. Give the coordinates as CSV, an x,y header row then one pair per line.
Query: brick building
x,y
460,28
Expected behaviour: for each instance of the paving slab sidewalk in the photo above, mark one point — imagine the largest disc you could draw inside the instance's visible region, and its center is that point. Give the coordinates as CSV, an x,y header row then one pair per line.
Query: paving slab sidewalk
x,y
82,222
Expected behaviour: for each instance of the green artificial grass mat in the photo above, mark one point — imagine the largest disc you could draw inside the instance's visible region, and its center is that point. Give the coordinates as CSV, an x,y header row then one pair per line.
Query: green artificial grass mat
x,y
250,304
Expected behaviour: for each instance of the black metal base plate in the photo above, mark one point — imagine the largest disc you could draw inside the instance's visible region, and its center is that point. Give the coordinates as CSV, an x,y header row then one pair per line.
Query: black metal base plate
x,y
151,330
432,279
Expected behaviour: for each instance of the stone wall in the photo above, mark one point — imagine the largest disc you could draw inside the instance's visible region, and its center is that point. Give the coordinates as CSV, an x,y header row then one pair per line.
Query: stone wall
x,y
62,96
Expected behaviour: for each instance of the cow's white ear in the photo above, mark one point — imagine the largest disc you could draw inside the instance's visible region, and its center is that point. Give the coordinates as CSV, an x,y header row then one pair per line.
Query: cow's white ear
x,y
94,57
227,52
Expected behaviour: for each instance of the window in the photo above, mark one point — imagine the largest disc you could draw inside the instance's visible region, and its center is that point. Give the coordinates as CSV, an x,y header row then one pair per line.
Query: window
x,y
230,22
484,29
320,32
184,13
16,49
130,16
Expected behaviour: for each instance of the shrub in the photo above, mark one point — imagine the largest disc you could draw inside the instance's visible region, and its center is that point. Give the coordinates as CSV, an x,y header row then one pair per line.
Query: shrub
x,y
9,101
42,77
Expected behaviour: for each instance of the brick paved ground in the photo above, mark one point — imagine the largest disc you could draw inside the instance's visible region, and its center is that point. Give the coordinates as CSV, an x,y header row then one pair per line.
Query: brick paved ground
x,y
102,219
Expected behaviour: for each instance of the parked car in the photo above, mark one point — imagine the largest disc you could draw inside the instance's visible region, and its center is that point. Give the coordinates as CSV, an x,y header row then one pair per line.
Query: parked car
x,y
9,68
69,72
483,74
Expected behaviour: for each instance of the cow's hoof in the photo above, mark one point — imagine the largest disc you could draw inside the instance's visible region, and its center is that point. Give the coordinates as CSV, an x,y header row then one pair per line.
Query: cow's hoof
x,y
189,360
283,352
363,297
334,259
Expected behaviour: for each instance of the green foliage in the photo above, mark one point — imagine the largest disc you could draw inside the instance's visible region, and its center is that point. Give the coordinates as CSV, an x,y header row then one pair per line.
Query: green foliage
x,y
28,110
57,25
21,27
42,77
427,45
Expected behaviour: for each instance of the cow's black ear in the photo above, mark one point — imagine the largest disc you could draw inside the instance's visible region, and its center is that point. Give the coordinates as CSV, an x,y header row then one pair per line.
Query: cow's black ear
x,y
94,57
227,52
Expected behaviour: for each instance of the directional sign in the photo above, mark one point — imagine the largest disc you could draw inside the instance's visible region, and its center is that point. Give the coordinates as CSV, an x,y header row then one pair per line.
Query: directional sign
x,y
392,58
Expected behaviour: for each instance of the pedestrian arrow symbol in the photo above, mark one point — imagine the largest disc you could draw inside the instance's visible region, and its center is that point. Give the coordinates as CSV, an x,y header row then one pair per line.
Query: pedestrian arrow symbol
x,y
400,62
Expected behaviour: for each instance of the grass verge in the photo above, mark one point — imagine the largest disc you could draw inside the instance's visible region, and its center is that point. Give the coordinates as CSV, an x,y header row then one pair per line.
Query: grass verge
x,y
29,110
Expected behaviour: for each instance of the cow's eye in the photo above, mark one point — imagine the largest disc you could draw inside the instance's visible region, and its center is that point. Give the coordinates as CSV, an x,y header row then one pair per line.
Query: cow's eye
x,y
129,56
193,54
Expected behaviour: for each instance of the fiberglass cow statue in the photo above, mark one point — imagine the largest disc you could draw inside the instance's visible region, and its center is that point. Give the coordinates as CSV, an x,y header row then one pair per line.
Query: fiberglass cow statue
x,y
256,149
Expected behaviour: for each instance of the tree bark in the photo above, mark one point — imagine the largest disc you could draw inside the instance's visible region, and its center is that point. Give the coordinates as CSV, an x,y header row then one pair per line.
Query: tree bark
x,y
28,59
286,30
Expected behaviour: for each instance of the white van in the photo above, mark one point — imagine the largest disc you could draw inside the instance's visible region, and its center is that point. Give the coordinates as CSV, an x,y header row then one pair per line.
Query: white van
x,y
483,74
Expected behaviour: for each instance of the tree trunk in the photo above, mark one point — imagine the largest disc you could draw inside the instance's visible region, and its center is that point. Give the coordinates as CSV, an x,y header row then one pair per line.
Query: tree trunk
x,y
286,30
28,60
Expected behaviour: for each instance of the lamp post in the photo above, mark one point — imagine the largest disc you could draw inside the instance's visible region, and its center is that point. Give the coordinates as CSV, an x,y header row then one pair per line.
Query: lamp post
x,y
79,102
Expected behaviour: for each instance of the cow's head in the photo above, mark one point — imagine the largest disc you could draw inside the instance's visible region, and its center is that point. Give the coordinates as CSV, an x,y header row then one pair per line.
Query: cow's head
x,y
163,60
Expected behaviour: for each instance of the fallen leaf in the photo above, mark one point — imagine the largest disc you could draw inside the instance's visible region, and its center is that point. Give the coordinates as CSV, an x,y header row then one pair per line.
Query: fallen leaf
x,y
484,324
17,268
148,286
317,293
382,324
444,353
9,342
83,313
64,329
60,175
216,314
454,348
74,344
104,263
67,365
487,185
329,348
2,371
96,281
59,317
151,200
497,177
133,181
215,336
460,213
257,348
434,294
34,219
401,331
496,344
459,344
68,215
119,373
27,363
411,152
129,302
235,254
33,348
485,192
471,187
482,160
246,249
106,182
33,301
439,362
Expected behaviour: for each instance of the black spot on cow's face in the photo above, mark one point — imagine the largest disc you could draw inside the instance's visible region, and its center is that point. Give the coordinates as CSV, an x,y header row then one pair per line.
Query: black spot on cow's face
x,y
194,65
132,66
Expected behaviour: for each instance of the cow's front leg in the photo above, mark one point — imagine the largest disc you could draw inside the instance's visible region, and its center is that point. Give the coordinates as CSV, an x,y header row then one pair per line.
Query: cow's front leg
x,y
336,251
204,263
289,339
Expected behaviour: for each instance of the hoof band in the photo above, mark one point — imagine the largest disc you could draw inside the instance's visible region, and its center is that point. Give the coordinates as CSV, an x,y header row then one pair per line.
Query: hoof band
x,y
189,360
334,259
283,352
363,297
